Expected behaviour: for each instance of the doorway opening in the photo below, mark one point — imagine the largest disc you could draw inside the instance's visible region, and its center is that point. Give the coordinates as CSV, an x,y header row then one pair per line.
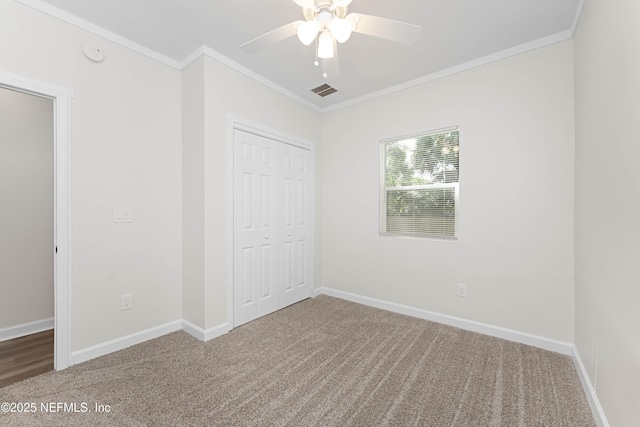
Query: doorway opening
x,y
26,232
60,248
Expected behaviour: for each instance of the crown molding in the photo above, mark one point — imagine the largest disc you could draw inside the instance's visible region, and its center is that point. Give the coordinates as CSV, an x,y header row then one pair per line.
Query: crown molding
x,y
83,24
217,56
576,18
123,41
213,54
516,50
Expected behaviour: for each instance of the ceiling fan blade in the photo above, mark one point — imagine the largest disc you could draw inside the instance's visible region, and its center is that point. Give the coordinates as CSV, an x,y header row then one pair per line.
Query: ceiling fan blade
x,y
340,11
305,3
272,37
400,32
308,13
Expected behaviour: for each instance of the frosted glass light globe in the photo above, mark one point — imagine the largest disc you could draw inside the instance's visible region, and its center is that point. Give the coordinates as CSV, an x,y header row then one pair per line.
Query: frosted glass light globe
x,y
307,32
325,46
340,29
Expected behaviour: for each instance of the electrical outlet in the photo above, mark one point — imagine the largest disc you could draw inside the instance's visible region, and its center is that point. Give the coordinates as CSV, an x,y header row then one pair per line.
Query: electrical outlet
x,y
462,290
127,301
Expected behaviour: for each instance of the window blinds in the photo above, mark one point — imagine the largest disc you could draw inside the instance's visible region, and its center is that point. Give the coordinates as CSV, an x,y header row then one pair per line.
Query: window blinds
x,y
421,184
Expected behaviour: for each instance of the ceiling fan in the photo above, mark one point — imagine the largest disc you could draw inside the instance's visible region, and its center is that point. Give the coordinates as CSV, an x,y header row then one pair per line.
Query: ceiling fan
x,y
328,23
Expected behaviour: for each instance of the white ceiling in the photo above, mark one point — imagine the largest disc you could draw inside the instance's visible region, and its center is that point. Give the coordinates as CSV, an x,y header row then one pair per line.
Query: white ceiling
x,y
454,32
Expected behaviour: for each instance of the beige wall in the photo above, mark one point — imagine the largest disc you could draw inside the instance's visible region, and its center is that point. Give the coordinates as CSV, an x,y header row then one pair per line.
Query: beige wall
x,y
125,151
206,173
193,193
607,204
151,137
26,217
515,246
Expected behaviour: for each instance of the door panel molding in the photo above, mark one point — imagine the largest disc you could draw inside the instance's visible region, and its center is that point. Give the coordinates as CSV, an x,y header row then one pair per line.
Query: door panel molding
x,y
304,166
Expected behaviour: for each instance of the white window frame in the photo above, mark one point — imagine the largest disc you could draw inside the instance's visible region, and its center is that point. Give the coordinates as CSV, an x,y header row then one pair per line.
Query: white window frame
x,y
384,189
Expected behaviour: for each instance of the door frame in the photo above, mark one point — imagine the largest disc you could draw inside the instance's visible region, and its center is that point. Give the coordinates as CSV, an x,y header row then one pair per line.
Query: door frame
x,y
61,98
238,123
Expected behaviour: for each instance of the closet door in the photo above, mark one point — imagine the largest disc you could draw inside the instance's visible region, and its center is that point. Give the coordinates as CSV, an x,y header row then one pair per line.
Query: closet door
x,y
255,227
295,195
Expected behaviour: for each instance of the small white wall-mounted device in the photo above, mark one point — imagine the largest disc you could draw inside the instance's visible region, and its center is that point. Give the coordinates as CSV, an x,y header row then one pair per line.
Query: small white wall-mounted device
x,y
93,53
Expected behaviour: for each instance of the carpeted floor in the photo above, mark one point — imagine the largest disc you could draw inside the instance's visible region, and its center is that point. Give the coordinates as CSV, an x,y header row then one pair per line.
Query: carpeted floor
x,y
324,362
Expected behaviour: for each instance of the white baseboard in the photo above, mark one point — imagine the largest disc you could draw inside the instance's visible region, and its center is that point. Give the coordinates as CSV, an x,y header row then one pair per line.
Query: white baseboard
x,y
205,335
193,330
589,391
491,330
26,329
123,342
469,325
149,334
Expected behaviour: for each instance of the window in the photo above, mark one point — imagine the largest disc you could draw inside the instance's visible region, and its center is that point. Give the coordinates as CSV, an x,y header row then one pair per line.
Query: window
x,y
419,190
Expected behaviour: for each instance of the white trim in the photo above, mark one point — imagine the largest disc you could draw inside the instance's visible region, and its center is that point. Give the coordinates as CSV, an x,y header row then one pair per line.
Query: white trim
x,y
576,18
124,342
589,390
99,31
235,122
516,50
231,122
422,186
62,213
32,86
515,336
63,231
193,330
205,335
192,57
26,329
207,51
469,325
76,21
121,343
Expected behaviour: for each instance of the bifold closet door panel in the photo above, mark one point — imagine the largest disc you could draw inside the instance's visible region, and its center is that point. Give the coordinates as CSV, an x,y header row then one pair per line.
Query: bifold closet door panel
x,y
256,235
296,178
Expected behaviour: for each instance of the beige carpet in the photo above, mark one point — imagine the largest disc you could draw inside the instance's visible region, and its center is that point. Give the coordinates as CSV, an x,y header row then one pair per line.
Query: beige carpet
x,y
324,362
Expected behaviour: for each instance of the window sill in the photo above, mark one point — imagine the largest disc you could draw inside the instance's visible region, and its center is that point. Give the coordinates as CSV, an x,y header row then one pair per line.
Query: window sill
x,y
419,236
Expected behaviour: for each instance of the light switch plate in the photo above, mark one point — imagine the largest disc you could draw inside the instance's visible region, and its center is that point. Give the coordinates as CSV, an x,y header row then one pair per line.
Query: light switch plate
x,y
127,302
462,290
122,215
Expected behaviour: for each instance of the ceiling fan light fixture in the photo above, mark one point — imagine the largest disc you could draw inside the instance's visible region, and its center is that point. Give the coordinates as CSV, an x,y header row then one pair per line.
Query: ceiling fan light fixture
x,y
325,46
342,3
325,15
340,29
307,32
353,19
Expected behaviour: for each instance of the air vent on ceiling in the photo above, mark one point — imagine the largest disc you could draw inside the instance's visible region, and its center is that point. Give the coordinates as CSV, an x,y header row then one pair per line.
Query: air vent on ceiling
x,y
324,90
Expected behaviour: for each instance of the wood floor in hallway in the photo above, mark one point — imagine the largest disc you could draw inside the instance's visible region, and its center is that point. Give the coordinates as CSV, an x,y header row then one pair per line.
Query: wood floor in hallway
x,y
25,357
